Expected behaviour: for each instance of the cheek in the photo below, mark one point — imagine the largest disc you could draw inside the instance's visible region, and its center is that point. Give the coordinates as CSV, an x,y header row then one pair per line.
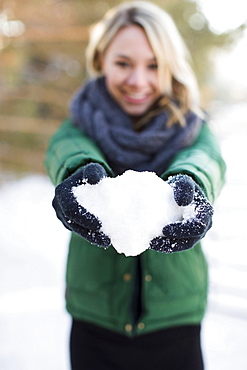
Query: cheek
x,y
113,82
114,78
155,83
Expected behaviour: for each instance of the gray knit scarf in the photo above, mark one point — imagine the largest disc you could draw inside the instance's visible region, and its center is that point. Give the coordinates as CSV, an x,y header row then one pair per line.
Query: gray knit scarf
x,y
95,112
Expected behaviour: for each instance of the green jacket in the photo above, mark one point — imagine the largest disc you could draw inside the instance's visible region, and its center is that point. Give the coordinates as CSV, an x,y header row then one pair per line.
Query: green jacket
x,y
100,284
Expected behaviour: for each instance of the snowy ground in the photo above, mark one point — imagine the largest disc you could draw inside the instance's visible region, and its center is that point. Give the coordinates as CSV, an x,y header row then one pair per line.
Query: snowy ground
x,y
34,325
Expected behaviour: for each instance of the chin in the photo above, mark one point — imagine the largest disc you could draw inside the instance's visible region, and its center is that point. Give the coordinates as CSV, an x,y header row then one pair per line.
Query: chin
x,y
135,112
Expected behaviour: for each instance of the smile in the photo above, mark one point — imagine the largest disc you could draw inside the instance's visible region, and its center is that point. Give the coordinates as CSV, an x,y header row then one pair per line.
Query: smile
x,y
136,98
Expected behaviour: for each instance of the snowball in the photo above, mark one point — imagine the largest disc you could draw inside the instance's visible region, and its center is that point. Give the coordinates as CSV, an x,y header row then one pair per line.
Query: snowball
x,y
133,208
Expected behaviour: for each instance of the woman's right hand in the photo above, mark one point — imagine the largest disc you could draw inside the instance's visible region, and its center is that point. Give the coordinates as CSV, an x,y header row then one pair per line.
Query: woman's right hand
x,y
73,215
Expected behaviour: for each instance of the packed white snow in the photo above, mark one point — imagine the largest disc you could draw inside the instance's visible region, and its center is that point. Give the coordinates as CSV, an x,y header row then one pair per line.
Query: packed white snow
x,y
133,208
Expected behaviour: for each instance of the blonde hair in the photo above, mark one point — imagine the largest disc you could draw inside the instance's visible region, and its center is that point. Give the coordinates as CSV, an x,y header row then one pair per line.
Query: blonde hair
x,y
177,80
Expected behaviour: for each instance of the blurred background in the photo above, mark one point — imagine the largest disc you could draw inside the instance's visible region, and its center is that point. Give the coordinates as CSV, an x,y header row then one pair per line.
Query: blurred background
x,y
42,47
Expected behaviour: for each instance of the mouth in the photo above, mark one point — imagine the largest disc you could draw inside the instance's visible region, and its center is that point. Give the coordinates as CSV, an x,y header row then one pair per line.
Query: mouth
x,y
136,98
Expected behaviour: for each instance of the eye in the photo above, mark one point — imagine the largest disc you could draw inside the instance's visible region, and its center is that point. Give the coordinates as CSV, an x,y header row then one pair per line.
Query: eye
x,y
153,66
122,64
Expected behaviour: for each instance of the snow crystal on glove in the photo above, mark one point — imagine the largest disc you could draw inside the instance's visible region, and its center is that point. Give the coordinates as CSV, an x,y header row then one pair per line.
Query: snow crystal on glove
x,y
133,208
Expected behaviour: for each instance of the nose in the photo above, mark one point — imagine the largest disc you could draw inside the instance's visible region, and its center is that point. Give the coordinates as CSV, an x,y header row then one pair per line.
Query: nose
x,y
137,77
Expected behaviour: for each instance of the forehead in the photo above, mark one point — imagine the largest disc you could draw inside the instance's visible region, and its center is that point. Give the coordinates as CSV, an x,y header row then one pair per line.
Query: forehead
x,y
131,41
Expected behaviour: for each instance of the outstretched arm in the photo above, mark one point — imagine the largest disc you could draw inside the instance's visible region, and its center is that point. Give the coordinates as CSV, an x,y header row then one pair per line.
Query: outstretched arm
x,y
203,165
203,162
70,149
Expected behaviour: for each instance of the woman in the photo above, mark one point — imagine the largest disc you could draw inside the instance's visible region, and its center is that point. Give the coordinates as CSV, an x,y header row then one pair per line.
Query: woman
x,y
138,111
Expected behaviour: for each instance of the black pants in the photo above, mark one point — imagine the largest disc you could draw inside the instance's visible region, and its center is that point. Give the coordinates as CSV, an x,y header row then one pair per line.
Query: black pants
x,y
94,348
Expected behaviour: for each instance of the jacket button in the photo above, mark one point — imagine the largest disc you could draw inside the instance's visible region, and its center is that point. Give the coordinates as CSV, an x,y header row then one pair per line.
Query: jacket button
x,y
128,328
127,277
148,278
141,326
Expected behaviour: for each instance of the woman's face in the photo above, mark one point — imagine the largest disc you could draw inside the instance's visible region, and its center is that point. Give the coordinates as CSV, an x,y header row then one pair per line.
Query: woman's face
x,y
130,68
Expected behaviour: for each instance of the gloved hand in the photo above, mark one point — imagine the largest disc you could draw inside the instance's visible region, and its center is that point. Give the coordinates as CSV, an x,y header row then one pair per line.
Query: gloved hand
x,y
183,235
73,216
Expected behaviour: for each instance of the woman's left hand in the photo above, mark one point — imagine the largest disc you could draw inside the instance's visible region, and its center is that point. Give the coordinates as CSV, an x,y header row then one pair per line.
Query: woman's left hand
x,y
183,235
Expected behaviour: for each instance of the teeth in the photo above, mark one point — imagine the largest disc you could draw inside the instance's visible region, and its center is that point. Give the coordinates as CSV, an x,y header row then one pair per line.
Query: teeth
x,y
136,96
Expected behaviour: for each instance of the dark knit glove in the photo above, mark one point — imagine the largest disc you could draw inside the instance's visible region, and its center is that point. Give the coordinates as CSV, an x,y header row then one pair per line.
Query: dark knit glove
x,y
183,189
183,235
73,216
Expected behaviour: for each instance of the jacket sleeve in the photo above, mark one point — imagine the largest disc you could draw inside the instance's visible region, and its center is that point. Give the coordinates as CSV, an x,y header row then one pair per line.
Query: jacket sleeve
x,y
68,150
203,162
